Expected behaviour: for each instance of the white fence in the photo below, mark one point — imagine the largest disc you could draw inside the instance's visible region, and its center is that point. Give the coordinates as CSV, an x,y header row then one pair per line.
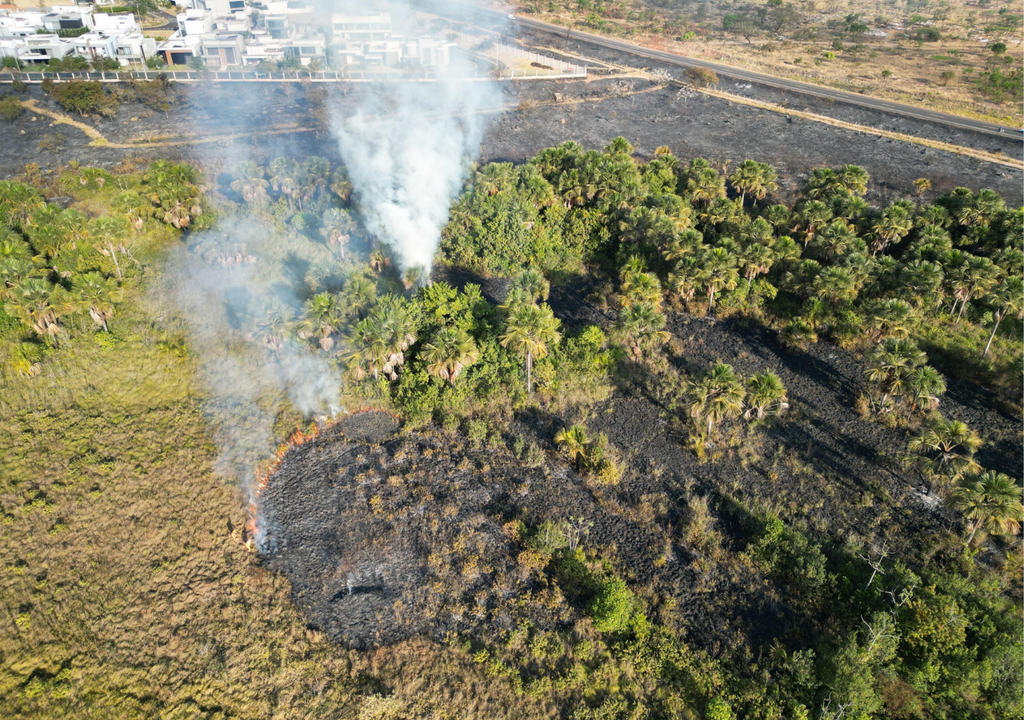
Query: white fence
x,y
190,76
550,66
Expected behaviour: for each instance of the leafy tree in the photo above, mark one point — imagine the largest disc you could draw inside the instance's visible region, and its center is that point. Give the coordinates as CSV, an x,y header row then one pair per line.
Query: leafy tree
x,y
990,501
531,331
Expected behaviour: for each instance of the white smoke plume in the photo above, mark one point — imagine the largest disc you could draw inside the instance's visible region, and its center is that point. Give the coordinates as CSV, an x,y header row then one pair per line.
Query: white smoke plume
x,y
407,148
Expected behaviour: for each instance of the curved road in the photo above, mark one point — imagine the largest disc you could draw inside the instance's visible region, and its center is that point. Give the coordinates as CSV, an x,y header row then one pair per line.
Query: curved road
x,y
768,80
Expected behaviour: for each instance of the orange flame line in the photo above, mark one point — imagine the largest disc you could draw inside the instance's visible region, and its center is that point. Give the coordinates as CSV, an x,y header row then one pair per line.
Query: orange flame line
x,y
267,468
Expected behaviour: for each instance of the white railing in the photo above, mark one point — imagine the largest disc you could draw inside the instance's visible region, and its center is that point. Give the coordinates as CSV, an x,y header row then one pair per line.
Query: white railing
x,y
189,76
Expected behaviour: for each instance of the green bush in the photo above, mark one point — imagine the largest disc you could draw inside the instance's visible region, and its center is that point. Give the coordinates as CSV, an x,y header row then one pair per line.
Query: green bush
x,y
83,97
10,108
613,607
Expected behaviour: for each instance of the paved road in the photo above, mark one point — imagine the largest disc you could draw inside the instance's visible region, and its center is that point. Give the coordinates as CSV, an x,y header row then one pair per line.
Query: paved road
x,y
768,80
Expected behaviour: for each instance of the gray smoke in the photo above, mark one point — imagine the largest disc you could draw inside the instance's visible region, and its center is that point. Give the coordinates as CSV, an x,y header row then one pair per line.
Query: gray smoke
x,y
407,147
227,286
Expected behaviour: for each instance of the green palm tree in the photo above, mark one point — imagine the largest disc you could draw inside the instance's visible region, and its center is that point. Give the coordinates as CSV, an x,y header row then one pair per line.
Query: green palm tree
x,y
575,442
891,364
924,386
766,395
640,328
320,319
990,501
716,396
814,214
316,175
889,318
134,206
717,272
946,449
18,201
755,260
531,331
249,181
110,233
640,287
534,286
381,339
894,224
39,305
273,326
450,352
705,185
337,228
1008,299
97,295
920,279
754,178
837,285
834,241
340,184
970,278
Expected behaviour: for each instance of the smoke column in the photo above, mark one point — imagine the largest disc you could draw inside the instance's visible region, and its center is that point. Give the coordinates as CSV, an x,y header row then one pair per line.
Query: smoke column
x,y
407,148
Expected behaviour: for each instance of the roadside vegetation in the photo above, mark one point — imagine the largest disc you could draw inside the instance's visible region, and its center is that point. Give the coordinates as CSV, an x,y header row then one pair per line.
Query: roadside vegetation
x,y
728,572
951,56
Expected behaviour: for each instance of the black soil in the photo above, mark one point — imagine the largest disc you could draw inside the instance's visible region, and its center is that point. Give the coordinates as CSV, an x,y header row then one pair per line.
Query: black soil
x,y
539,114
385,536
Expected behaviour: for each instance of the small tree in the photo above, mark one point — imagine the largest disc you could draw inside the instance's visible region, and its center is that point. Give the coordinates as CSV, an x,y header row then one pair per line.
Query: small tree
x,y
990,501
946,448
766,395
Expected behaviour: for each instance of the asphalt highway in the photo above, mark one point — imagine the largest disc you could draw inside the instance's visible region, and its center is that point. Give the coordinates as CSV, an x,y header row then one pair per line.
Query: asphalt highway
x,y
768,80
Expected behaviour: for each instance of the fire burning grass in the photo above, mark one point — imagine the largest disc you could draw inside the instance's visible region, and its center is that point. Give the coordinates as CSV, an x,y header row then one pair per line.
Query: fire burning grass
x,y
253,532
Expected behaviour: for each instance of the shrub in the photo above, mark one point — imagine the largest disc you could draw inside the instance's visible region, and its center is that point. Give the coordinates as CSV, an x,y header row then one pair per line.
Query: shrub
x,y
10,108
612,608
82,97
701,76
790,556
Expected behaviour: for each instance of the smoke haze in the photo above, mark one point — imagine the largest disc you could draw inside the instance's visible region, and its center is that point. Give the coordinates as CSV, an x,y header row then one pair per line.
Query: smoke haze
x,y
407,147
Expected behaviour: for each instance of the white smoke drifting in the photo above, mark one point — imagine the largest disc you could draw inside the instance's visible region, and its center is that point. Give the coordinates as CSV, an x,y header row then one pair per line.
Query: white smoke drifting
x,y
407,148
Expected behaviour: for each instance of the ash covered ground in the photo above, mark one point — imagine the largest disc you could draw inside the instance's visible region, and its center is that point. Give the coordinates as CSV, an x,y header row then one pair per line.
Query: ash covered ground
x,y
386,535
539,114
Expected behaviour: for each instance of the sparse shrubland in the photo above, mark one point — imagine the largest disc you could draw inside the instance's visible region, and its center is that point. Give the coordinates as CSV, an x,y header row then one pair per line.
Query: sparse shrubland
x,y
804,565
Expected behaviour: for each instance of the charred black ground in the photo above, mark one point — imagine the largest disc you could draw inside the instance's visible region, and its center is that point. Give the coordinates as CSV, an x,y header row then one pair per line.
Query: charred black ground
x,y
388,534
